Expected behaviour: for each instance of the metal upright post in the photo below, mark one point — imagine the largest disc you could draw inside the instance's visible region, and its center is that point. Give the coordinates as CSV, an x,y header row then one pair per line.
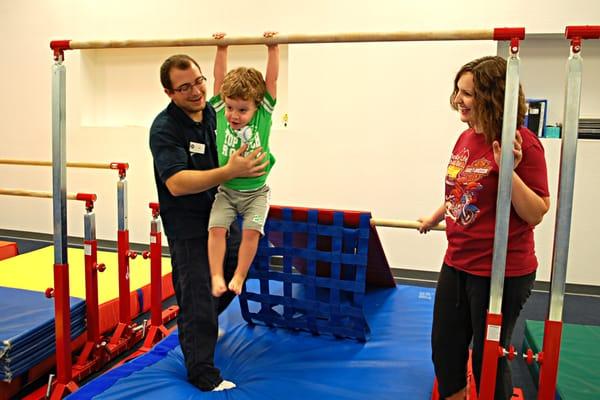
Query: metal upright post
x,y
123,239
91,358
562,228
492,350
90,245
157,329
155,266
62,308
123,336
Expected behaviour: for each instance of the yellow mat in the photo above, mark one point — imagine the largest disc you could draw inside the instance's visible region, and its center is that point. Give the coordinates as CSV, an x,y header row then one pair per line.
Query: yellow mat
x,y
35,271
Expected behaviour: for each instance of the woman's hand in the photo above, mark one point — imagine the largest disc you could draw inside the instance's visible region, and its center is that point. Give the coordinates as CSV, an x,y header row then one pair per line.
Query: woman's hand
x,y
426,224
517,150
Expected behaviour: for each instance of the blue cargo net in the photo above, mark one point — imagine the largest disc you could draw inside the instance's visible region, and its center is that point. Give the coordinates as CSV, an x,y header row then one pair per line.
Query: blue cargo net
x,y
322,268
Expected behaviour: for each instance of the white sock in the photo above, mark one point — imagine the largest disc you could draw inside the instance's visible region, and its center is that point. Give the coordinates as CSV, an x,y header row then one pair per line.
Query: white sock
x,y
225,385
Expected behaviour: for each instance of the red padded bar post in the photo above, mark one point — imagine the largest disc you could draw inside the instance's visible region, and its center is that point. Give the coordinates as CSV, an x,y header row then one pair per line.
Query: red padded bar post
x,y
89,199
86,196
62,318
491,353
583,32
509,33
123,258
59,47
156,278
549,365
155,209
91,290
121,166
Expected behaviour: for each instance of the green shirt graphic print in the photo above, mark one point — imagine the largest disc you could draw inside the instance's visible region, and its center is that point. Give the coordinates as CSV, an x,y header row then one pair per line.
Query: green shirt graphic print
x,y
256,134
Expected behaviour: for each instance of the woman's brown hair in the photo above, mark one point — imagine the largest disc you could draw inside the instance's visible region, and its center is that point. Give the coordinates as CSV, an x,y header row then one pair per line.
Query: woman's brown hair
x,y
489,80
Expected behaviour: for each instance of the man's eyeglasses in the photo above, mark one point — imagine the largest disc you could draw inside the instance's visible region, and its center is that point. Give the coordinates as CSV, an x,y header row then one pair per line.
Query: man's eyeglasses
x,y
186,88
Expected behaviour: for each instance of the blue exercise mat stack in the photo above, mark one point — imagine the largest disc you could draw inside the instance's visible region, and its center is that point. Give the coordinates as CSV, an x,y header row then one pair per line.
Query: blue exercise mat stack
x,y
27,334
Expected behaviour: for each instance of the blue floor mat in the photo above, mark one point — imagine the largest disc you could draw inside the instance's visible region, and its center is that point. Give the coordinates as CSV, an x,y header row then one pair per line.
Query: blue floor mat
x,y
269,363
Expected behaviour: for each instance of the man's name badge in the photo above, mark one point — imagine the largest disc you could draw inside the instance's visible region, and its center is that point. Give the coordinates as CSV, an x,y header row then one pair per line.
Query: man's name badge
x,y
197,147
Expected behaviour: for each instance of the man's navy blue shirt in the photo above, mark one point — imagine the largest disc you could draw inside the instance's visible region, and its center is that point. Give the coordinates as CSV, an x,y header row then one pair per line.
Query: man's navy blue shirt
x,y
176,142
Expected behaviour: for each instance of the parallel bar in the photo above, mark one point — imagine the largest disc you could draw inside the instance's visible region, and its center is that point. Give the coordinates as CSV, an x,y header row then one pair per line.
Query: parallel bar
x,y
33,193
481,34
35,163
398,223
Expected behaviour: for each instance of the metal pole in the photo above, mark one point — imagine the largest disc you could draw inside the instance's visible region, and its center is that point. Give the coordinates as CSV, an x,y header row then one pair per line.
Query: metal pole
x,y
566,184
91,275
122,218
562,228
59,207
59,170
503,207
156,267
503,202
123,246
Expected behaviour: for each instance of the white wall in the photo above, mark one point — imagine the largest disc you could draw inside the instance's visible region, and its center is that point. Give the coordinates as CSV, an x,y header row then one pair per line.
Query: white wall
x,y
369,124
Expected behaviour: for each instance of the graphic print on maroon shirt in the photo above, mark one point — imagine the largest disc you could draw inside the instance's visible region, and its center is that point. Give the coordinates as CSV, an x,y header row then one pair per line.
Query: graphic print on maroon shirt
x,y
461,202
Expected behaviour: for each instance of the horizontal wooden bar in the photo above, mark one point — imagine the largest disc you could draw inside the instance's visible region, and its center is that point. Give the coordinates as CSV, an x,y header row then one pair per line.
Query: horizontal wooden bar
x,y
33,193
49,163
481,34
397,223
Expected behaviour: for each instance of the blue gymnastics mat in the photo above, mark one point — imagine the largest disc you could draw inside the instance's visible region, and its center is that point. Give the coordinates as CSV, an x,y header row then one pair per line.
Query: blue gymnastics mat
x,y
27,334
270,363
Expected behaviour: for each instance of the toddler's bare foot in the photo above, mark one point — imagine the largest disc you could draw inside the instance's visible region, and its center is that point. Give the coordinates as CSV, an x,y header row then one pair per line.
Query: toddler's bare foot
x,y
236,284
218,285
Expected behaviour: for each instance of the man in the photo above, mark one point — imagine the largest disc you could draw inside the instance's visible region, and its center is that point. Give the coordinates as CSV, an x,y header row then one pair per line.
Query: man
x,y
186,171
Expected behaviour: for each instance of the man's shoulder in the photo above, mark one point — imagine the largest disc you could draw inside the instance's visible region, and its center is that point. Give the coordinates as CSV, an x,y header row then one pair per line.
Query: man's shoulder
x,y
163,120
209,111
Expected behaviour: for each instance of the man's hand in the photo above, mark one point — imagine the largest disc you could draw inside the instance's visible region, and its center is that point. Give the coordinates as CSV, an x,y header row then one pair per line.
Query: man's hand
x,y
251,165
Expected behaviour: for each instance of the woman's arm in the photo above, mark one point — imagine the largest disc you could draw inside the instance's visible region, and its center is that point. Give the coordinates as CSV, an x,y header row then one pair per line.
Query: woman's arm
x,y
429,222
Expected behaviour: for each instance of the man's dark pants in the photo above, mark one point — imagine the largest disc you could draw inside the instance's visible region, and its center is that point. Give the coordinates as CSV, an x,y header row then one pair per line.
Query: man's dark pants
x,y
197,321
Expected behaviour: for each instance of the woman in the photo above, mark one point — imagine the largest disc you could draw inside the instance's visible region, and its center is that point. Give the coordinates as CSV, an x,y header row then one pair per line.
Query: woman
x,y
462,293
